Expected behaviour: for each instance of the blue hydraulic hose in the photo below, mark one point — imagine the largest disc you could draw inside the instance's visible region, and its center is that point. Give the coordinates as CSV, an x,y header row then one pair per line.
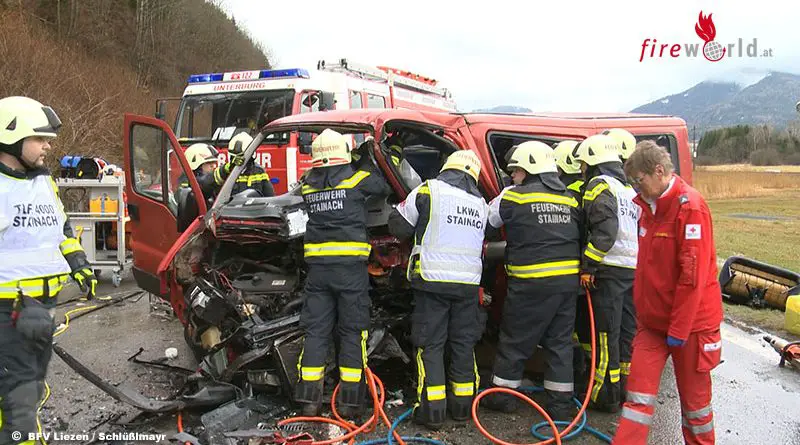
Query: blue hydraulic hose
x,y
390,439
579,429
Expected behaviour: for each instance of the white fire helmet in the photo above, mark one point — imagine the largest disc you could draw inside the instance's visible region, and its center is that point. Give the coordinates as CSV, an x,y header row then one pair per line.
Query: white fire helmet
x,y
330,148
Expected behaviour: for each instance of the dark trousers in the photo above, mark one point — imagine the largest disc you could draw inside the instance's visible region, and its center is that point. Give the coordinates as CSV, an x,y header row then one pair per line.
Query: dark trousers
x,y
336,296
608,301
537,315
23,368
455,321
627,333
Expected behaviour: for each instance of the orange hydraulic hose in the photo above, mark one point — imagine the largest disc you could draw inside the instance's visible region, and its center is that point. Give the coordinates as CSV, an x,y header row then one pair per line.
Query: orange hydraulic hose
x,y
377,403
180,425
557,435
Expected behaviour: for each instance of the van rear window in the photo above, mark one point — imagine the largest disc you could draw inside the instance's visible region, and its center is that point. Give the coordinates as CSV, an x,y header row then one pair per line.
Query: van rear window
x,y
667,141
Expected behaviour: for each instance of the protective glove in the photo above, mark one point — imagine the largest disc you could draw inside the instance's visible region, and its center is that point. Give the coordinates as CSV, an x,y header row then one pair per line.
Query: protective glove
x,y
87,281
587,280
237,159
484,298
675,342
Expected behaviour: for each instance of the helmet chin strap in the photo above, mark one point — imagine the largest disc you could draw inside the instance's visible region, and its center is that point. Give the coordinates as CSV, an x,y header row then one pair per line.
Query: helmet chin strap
x,y
15,150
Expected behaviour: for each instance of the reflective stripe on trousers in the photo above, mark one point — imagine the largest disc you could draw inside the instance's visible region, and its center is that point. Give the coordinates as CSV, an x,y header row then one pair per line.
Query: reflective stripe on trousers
x,y
337,249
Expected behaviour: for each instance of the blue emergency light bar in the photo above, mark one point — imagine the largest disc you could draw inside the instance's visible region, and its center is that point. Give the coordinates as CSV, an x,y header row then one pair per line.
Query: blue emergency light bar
x,y
263,74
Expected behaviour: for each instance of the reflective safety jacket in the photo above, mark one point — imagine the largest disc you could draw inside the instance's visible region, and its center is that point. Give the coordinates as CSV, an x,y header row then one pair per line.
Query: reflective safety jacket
x,y
449,225
252,177
542,231
575,186
37,247
336,231
675,290
611,223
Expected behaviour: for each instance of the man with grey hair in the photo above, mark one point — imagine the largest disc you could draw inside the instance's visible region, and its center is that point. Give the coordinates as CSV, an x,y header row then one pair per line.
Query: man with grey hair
x,y
677,298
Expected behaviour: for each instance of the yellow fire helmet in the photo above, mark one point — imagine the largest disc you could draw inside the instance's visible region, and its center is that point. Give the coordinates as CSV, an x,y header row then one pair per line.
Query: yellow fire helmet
x,y
597,149
239,143
465,161
626,140
534,157
22,117
564,158
199,154
328,149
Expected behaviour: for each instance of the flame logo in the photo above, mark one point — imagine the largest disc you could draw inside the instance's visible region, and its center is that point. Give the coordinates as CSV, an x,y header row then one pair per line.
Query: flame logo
x,y
705,27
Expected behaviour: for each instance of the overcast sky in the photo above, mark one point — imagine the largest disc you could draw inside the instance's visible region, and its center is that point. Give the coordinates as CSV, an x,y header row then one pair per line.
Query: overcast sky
x,y
547,56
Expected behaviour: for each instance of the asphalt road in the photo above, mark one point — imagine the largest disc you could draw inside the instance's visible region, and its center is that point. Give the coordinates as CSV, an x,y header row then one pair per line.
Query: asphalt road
x,y
755,401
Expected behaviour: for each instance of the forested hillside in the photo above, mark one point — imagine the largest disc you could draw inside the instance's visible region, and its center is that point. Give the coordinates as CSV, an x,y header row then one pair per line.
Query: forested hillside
x,y
758,145
93,60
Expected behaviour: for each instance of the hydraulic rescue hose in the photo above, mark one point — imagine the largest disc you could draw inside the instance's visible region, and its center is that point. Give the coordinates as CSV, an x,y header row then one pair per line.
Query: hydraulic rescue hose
x,y
558,435
375,384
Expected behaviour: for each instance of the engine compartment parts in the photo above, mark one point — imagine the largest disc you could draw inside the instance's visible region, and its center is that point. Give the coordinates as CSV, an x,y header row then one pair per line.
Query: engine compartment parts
x,y
753,283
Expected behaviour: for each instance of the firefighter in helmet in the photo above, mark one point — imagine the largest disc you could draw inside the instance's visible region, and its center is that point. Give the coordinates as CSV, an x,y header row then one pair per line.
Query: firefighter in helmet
x,y
627,144
41,253
626,141
336,250
543,264
252,177
446,217
609,258
204,161
569,172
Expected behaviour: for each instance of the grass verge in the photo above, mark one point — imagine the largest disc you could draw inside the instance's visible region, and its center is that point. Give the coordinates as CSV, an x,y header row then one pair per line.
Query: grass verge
x,y
770,241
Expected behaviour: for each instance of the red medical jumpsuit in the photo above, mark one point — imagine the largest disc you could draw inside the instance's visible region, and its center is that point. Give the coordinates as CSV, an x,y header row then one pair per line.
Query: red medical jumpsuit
x,y
676,293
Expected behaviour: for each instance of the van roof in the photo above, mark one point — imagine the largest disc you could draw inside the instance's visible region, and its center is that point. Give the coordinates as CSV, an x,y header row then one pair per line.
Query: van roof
x,y
380,115
578,115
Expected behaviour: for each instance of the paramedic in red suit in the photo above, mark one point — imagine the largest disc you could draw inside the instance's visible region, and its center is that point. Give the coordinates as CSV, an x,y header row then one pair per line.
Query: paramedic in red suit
x,y
677,298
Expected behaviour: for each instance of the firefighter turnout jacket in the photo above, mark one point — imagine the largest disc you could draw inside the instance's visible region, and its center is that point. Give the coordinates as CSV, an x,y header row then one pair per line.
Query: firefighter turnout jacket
x,y
575,186
37,247
252,177
676,289
335,201
611,220
448,225
545,239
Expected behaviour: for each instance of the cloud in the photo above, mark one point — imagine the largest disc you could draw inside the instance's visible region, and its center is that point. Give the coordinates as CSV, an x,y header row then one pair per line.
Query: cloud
x,y
557,56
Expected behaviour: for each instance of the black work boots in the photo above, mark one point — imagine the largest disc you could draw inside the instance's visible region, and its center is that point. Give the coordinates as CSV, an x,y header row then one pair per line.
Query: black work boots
x,y
309,395
351,399
501,402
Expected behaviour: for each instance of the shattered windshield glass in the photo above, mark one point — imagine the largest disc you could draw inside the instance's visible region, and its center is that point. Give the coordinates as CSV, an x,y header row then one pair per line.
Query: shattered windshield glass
x,y
217,118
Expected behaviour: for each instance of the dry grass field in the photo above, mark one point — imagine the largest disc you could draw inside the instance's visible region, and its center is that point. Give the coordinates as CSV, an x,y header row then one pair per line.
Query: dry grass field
x,y
741,183
757,215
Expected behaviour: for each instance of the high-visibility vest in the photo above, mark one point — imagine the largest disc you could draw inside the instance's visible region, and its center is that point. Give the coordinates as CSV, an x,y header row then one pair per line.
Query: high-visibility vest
x,y
626,248
451,247
32,240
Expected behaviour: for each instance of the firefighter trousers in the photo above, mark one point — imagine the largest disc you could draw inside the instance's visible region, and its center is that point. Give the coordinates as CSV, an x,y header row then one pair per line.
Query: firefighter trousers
x,y
608,301
582,344
336,296
457,322
535,314
693,364
23,367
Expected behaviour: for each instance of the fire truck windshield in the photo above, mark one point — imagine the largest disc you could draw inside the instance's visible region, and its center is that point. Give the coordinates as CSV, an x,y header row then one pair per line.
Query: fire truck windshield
x,y
218,117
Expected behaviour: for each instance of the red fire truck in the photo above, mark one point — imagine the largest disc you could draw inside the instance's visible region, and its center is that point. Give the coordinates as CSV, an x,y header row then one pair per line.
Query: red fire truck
x,y
216,106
